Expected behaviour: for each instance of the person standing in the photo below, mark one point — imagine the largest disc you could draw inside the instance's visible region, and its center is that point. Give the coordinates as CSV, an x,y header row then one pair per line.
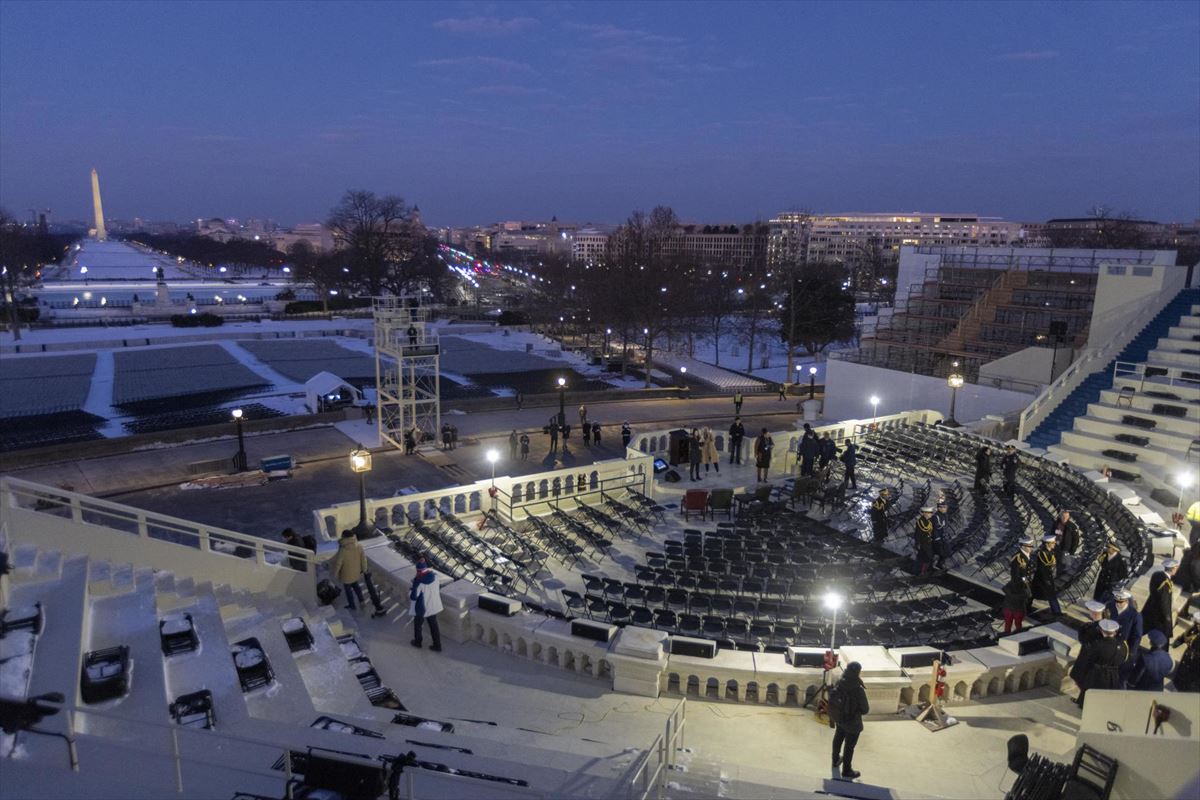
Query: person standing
x,y
851,706
586,432
626,434
1089,634
1045,572
552,429
1113,573
983,468
782,392
596,433
1017,592
807,452
827,451
582,416
292,539
737,403
412,336
879,520
524,447
1154,665
410,444
1104,658
349,565
737,432
941,534
514,443
763,446
1129,619
1009,465
1187,674
923,540
708,442
1068,535
849,459
694,454
1158,612
520,398
425,602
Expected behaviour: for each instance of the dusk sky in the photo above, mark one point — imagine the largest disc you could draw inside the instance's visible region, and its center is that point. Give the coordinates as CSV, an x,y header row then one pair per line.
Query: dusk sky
x,y
490,111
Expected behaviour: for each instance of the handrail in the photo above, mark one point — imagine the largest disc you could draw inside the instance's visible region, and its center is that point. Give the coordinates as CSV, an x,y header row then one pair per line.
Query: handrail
x,y
1092,360
664,746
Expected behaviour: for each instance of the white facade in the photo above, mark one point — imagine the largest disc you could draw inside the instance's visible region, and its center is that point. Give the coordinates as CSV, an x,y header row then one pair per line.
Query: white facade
x,y
589,245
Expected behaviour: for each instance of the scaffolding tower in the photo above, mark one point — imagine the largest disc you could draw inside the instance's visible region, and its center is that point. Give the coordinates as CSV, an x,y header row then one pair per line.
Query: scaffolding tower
x,y
407,373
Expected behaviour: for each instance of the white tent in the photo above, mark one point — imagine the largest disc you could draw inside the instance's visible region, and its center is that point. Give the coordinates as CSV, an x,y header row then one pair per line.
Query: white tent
x,y
320,388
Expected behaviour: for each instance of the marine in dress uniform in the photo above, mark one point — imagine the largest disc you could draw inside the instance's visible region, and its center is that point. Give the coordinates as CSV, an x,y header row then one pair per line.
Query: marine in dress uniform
x,y
1045,570
1113,572
1129,619
1157,611
1105,658
1089,634
879,521
923,543
1187,674
1017,593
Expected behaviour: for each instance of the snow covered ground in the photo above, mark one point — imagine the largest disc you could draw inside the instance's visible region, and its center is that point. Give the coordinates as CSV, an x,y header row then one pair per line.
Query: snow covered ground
x,y
101,261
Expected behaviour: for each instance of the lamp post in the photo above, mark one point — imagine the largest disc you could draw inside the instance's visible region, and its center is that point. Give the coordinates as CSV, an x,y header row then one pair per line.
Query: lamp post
x,y
239,461
874,409
833,601
812,383
360,462
493,456
562,403
955,382
682,377
607,333
1184,479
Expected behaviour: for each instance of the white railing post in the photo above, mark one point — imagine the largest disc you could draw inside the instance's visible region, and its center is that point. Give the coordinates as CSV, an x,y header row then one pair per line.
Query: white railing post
x,y
143,526
72,753
178,763
203,540
76,510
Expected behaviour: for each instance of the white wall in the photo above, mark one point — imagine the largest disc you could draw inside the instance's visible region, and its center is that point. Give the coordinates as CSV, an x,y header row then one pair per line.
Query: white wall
x,y
1120,297
1031,365
848,387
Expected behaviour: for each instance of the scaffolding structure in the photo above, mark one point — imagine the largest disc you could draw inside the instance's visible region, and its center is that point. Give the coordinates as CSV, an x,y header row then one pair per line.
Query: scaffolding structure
x,y
407,371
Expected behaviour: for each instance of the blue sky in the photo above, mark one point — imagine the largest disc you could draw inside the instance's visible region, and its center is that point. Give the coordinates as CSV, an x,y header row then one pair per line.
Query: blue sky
x,y
488,111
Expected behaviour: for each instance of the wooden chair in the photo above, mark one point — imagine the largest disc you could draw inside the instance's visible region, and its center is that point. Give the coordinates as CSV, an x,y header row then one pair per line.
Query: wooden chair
x,y
694,501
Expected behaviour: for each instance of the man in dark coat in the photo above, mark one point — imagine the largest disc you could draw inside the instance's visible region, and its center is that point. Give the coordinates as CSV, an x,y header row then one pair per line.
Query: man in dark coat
x,y
1105,658
1045,570
849,459
737,432
1187,674
1129,619
1089,634
694,454
1188,577
850,723
1008,464
626,434
1017,592
941,534
827,451
923,540
879,520
1113,573
1154,665
1158,612
807,452
983,467
1068,534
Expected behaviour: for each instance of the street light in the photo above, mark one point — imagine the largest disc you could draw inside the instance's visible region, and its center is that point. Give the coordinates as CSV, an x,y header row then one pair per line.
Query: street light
x,y
239,461
833,601
812,383
683,376
360,462
1184,479
493,456
955,382
562,403
874,409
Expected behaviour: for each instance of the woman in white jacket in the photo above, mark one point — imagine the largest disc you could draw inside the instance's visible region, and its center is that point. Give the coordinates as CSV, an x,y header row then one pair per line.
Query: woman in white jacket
x,y
425,601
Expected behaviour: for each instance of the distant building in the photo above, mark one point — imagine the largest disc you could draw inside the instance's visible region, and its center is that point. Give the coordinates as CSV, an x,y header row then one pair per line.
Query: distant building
x,y
738,246
588,245
798,236
316,235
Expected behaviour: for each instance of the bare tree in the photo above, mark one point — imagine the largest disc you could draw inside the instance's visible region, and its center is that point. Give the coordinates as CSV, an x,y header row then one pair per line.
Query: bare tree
x,y
366,228
322,270
23,253
818,311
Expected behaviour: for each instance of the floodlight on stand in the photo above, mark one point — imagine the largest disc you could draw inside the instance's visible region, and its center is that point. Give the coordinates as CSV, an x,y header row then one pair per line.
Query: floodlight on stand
x,y
874,409
955,381
833,601
1185,480
493,456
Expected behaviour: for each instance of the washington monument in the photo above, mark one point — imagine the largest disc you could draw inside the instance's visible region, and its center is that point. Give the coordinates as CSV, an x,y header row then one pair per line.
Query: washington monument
x,y
101,234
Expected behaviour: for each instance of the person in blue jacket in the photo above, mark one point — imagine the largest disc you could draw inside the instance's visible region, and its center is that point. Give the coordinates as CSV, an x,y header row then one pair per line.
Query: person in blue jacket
x,y
1154,665
1129,618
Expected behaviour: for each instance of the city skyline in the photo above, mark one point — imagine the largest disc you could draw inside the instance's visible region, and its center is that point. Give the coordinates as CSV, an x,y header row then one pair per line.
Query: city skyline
x,y
525,111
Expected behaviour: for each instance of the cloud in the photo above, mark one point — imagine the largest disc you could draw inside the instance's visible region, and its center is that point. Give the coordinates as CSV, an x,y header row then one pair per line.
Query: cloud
x,y
488,62
612,33
217,138
1029,55
484,26
510,90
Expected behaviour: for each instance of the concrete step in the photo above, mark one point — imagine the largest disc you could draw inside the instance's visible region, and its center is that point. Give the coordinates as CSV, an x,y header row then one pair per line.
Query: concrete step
x,y
286,699
210,666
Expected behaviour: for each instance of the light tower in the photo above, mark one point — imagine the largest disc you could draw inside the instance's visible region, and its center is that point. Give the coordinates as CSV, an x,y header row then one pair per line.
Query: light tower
x,y
101,234
407,373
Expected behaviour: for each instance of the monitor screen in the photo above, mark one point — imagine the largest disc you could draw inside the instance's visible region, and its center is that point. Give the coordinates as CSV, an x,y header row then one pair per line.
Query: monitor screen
x,y
660,465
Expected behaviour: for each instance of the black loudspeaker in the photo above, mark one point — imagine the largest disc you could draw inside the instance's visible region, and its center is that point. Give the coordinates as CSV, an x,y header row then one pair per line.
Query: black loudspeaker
x,y
1034,644
917,660
806,656
596,631
672,476
697,648
1058,329
499,605
349,776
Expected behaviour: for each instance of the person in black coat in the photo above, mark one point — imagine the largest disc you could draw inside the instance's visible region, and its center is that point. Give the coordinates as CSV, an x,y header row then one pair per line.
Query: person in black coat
x,y
1089,634
1067,532
808,451
941,534
694,454
1129,619
826,451
849,459
737,432
923,540
1017,592
1158,612
850,725
1105,658
626,434
1045,570
1008,464
1187,674
983,467
879,520
1113,573
1188,577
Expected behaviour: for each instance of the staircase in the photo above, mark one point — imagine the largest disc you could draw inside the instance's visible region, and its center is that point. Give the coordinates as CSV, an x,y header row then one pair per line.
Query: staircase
x,y
1050,431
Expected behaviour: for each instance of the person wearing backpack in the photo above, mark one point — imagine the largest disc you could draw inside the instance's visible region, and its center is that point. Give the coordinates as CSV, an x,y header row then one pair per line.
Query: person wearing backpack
x,y
847,705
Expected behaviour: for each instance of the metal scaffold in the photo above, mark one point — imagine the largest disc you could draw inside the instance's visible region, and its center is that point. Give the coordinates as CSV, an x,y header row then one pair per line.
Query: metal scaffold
x,y
407,373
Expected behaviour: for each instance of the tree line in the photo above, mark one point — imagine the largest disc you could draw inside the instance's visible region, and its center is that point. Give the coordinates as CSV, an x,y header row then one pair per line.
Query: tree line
x,y
25,250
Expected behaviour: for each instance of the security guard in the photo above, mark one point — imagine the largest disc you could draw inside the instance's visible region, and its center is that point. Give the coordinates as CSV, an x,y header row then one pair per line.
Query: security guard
x,y
941,534
1045,570
1113,572
879,521
1017,592
923,545
1157,611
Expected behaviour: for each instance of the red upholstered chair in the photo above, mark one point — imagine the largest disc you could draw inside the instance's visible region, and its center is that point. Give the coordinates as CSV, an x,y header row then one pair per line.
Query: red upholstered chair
x,y
695,501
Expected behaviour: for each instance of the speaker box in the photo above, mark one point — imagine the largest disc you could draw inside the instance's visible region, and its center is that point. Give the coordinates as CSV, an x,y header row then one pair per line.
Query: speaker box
x,y
671,477
350,776
1036,644
596,631
496,604
697,648
806,656
918,660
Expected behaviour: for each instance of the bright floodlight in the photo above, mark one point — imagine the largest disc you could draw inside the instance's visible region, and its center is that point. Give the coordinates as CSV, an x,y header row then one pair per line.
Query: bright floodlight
x,y
1184,479
493,456
683,370
608,331
237,413
833,601
360,460
562,382
812,370
874,400
955,381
